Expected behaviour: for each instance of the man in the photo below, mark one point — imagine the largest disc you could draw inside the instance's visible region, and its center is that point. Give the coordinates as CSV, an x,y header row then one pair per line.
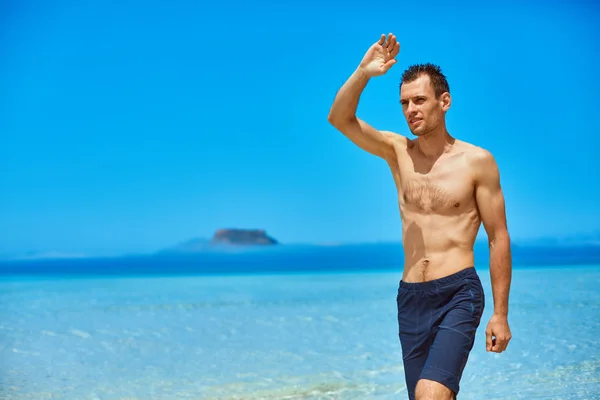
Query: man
x,y
446,189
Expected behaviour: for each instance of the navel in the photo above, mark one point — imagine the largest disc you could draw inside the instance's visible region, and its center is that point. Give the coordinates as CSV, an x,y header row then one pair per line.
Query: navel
x,y
425,264
457,205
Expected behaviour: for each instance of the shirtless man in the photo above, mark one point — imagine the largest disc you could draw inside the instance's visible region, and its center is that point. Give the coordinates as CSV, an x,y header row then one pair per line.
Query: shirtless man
x,y
446,189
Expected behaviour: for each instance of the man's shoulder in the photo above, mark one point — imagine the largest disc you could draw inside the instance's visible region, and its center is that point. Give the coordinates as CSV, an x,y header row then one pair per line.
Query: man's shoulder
x,y
477,155
481,162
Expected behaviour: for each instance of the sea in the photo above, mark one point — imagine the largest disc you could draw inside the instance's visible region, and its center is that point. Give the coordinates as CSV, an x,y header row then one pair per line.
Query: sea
x,y
310,322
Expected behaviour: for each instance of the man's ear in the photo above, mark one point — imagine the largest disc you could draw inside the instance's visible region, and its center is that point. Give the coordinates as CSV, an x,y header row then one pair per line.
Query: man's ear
x,y
446,100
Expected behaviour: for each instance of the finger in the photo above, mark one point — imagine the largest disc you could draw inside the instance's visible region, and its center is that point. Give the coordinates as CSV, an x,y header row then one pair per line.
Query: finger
x,y
391,42
387,42
497,347
395,50
381,40
505,343
498,344
488,341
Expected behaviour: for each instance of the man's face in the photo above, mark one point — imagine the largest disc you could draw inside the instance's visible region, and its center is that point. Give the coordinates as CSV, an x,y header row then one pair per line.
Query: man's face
x,y
423,112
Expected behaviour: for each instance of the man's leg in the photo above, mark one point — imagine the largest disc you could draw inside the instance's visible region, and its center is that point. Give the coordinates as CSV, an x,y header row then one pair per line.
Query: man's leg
x,y
454,339
414,358
414,326
432,390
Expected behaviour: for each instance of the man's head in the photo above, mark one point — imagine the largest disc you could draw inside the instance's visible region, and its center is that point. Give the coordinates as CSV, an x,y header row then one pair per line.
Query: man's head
x,y
425,98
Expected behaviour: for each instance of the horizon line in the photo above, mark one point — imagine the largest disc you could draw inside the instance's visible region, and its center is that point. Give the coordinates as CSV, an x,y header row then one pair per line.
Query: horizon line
x,y
172,250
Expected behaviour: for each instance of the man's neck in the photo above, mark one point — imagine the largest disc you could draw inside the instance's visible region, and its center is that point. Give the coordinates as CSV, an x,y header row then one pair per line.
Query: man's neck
x,y
435,143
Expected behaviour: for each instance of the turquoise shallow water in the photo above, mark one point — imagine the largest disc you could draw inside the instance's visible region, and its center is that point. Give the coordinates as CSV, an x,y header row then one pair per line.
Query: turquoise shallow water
x,y
292,336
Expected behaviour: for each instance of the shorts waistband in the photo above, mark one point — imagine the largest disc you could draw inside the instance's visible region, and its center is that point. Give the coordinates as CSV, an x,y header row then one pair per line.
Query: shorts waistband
x,y
436,283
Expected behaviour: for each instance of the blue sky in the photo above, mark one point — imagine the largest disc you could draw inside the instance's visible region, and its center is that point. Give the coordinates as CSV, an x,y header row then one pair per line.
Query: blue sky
x,y
132,126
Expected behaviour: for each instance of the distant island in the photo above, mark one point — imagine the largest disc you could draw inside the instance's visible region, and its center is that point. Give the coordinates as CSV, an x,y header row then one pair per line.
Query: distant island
x,y
226,237
246,237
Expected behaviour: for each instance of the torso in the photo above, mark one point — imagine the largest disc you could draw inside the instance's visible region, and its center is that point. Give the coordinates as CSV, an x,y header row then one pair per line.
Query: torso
x,y
440,219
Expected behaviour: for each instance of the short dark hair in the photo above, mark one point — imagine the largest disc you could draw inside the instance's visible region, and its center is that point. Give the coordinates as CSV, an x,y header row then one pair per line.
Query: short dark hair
x,y
437,78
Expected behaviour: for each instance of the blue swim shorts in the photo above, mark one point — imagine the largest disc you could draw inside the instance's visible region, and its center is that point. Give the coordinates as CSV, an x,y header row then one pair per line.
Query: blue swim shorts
x,y
437,323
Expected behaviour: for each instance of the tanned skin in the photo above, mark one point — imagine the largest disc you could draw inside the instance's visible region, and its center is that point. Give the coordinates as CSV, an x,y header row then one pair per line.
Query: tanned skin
x,y
446,189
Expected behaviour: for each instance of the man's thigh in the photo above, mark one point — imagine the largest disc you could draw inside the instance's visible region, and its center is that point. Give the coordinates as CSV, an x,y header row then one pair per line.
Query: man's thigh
x,y
414,323
452,345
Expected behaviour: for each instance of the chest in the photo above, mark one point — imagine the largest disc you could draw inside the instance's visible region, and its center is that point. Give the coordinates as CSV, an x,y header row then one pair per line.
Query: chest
x,y
445,188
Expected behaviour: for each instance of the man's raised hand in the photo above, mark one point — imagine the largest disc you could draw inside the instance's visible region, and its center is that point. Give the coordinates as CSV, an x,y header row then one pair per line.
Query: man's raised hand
x,y
381,56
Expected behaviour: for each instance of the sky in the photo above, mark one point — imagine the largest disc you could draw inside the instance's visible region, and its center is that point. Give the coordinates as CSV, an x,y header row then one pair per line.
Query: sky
x,y
133,126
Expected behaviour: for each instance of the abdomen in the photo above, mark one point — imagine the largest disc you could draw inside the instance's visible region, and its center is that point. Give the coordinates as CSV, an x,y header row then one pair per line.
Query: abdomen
x,y
438,245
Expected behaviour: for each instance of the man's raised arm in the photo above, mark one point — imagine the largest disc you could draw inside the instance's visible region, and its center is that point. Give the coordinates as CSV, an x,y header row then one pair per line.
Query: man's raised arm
x,y
377,61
